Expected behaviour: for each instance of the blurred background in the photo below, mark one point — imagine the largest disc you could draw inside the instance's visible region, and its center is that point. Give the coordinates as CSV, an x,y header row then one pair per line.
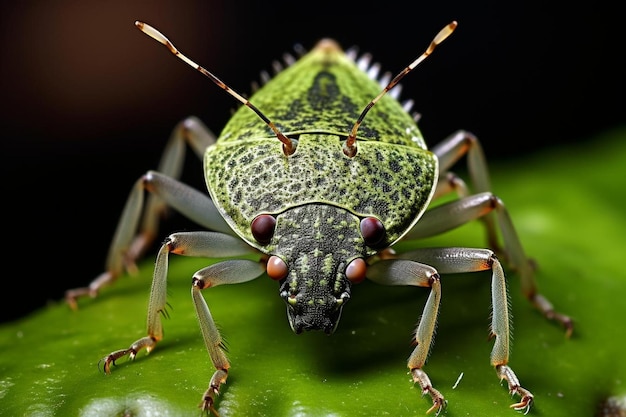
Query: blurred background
x,y
89,101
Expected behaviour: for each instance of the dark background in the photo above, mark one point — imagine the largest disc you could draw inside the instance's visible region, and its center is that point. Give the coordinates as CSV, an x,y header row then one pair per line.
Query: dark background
x,y
89,101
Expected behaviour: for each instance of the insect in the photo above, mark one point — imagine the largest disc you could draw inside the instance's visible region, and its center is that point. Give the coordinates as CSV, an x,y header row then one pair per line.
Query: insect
x,y
321,189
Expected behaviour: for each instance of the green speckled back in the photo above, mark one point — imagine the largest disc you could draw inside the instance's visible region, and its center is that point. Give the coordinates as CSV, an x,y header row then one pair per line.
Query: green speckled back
x,y
317,101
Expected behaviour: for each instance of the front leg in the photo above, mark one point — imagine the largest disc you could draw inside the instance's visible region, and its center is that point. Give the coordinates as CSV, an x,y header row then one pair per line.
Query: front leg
x,y
227,272
401,272
199,244
460,260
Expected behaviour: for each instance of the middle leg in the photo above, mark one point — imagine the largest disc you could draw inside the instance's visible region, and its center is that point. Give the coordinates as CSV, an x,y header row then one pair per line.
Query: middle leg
x,y
455,213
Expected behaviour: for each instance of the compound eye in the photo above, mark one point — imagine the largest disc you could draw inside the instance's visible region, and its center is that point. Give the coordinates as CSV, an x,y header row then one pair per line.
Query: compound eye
x,y
276,268
263,227
373,231
355,272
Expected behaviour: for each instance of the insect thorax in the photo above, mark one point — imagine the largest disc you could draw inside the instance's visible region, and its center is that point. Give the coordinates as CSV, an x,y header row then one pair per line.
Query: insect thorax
x,y
390,182
316,101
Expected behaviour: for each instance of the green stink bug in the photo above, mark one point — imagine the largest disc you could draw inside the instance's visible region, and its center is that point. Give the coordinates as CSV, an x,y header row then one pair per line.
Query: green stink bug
x,y
284,188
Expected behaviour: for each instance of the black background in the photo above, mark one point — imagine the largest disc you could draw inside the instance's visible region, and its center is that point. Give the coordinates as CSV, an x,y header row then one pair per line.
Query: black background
x,y
89,101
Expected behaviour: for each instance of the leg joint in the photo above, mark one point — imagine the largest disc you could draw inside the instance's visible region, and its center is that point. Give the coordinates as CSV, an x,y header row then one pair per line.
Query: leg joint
x,y
147,180
495,201
434,278
199,283
469,138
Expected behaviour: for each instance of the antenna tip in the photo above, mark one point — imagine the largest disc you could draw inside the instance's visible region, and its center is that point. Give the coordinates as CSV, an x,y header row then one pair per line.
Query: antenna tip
x,y
139,24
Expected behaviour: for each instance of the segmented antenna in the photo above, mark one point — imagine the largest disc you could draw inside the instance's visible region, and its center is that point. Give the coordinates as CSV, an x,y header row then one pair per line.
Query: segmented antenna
x,y
349,146
289,147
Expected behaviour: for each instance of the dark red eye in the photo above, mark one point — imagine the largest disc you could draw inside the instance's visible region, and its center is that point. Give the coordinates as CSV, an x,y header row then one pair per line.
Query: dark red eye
x,y
356,270
373,231
263,227
276,268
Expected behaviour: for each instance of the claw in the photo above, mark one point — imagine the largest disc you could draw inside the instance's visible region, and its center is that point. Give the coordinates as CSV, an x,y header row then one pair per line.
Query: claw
x,y
208,399
72,296
208,403
543,305
524,405
107,364
214,411
104,367
112,357
71,301
526,401
438,404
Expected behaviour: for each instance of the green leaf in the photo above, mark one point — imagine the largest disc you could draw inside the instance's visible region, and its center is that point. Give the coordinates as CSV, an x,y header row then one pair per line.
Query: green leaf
x,y
568,207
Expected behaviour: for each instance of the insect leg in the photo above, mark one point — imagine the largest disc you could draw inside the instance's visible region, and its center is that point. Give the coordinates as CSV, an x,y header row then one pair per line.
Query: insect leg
x,y
190,131
482,205
201,244
453,214
451,183
451,150
226,272
126,246
404,272
459,260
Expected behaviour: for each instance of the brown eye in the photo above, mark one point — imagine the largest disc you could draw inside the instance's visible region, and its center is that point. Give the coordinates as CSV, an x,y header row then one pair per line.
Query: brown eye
x,y
263,227
356,270
373,231
276,268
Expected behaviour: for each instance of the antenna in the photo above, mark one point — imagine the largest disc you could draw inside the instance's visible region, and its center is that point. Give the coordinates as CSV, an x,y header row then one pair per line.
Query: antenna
x,y
349,146
289,147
